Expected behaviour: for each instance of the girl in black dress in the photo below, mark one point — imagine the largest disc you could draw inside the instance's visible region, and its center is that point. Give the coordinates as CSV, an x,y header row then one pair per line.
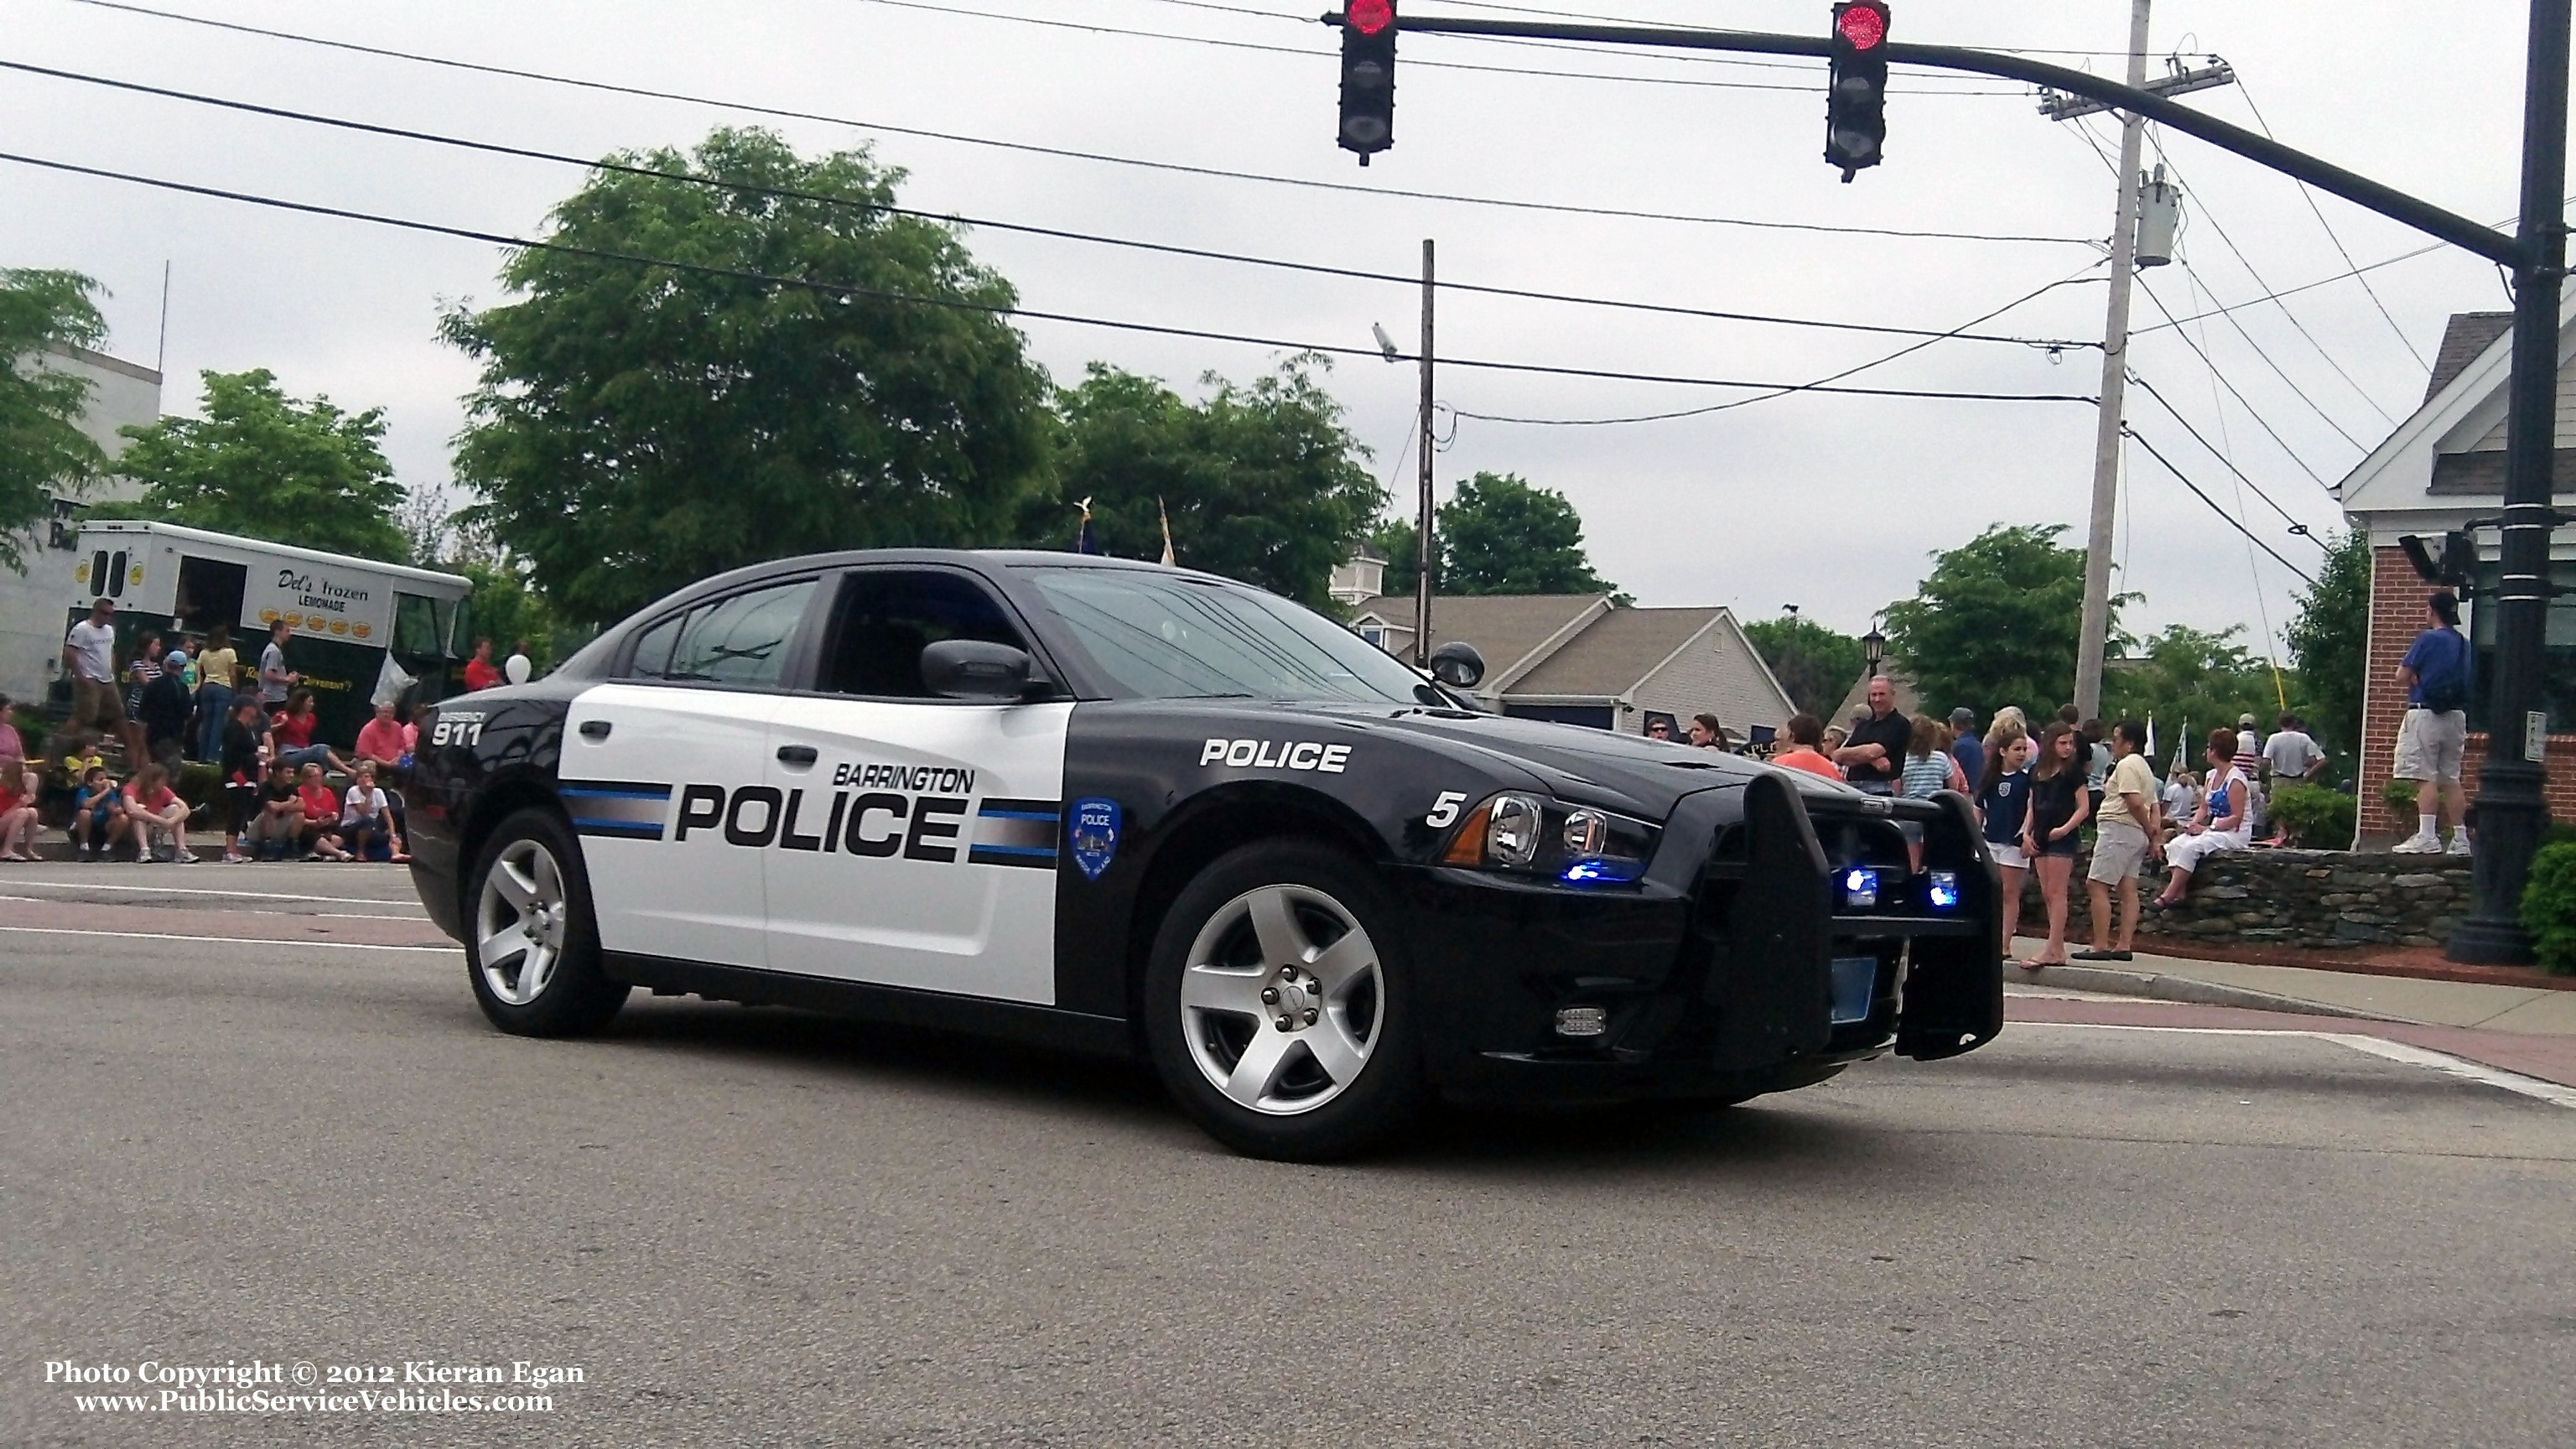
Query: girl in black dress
x,y
2057,811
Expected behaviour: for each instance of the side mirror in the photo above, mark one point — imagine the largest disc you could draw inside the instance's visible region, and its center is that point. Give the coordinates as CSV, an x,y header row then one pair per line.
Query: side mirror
x,y
1458,665
973,669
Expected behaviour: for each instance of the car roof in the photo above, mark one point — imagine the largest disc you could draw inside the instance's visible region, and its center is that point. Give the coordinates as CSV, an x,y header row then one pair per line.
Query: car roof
x,y
984,559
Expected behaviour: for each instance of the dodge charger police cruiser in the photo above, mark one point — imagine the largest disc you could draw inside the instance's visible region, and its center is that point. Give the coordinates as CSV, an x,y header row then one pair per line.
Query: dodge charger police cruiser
x,y
1119,807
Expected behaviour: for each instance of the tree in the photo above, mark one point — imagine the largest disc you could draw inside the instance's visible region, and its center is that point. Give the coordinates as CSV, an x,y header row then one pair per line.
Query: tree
x,y
1996,621
637,427
42,447
261,464
1498,535
1815,664
2330,641
1262,481
2190,679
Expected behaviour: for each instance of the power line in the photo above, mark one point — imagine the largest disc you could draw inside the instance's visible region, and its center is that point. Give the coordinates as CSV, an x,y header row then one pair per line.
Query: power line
x,y
1315,53
2222,513
2083,128
1816,386
2297,527
962,305
2293,318
2407,256
2232,391
1163,248
1031,148
2308,195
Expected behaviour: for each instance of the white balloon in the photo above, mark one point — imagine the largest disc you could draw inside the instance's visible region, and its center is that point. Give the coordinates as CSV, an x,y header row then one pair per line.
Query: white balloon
x,y
516,668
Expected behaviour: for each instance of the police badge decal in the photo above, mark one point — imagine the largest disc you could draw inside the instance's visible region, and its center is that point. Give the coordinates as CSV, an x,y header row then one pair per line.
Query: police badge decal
x,y
1095,835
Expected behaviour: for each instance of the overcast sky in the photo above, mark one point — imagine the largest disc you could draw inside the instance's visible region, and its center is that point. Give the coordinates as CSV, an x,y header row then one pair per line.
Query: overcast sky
x,y
1830,503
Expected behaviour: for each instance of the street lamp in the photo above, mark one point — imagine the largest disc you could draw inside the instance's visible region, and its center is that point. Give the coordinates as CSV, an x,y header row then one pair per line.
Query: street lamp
x,y
1874,645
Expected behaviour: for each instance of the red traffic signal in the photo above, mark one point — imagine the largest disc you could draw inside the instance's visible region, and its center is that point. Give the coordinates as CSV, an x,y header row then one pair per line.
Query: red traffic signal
x,y
1862,24
1368,17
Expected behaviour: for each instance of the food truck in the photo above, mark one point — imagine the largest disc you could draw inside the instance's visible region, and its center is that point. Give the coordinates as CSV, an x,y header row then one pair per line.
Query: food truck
x,y
362,629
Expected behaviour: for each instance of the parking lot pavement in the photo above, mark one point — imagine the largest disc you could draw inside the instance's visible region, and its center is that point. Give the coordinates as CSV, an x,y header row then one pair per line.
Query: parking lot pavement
x,y
754,1227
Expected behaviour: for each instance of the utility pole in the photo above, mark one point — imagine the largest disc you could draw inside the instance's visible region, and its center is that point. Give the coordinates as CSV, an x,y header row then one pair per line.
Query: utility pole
x,y
2511,811
2090,644
1423,521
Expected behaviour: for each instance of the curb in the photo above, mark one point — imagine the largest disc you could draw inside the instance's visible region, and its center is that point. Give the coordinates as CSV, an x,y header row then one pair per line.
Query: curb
x,y
2159,987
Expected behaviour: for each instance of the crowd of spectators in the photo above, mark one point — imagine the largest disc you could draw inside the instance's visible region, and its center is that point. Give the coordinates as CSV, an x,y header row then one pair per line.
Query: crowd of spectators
x,y
109,777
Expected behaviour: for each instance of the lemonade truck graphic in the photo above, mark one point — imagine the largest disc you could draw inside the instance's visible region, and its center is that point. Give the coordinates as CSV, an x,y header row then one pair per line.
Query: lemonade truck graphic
x,y
350,618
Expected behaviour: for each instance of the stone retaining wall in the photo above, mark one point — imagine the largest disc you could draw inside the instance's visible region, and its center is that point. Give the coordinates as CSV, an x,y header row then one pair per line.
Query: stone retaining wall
x,y
2312,898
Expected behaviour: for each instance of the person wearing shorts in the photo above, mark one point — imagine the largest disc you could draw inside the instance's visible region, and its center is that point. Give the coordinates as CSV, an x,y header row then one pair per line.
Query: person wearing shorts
x,y
2123,838
2058,806
2003,805
2435,676
89,656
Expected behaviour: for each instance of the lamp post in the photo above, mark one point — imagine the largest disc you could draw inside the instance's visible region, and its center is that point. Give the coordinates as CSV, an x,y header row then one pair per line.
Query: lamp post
x,y
1874,645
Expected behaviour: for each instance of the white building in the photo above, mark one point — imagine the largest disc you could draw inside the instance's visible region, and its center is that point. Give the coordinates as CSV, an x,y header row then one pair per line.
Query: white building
x,y
32,617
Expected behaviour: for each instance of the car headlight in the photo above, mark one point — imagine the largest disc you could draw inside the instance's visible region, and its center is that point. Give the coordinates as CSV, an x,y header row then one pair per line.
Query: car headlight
x,y
1531,834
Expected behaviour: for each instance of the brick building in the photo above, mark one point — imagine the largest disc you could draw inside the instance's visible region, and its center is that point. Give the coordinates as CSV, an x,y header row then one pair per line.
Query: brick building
x,y
2443,466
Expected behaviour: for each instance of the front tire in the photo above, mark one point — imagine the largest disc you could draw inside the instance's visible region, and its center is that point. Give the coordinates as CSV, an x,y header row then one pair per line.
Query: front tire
x,y
1279,1006
531,941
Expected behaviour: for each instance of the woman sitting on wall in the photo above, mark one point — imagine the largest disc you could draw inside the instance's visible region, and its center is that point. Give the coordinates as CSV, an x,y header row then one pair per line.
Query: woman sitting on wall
x,y
2222,822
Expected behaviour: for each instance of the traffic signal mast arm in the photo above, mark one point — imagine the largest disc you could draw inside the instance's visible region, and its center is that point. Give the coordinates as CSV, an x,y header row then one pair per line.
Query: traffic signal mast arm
x,y
2361,191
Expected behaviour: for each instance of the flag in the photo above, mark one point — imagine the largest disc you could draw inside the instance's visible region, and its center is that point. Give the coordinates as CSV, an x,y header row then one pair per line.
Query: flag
x,y
1083,542
1169,560
2151,736
2181,743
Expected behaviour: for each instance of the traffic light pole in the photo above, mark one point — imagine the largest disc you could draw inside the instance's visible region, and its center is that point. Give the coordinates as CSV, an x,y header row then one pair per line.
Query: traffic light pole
x,y
1423,519
2094,641
2511,810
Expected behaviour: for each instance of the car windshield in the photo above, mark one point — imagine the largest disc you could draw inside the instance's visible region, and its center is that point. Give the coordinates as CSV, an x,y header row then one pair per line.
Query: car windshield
x,y
1166,636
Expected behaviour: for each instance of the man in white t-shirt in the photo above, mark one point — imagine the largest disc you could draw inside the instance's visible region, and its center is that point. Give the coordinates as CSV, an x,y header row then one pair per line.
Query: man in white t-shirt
x,y
89,656
2290,754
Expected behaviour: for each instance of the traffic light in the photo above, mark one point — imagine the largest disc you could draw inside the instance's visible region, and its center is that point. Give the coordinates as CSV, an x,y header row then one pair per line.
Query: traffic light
x,y
1368,77
1856,86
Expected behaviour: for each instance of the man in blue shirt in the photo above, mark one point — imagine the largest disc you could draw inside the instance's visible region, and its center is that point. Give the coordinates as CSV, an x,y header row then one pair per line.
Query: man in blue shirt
x,y
1968,750
2435,676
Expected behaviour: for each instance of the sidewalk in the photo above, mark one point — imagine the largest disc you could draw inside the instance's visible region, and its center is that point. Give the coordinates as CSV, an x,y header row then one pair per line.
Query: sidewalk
x,y
2535,1010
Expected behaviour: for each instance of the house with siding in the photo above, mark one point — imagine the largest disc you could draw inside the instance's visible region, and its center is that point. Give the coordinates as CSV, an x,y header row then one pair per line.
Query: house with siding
x,y
1580,659
2443,466
32,613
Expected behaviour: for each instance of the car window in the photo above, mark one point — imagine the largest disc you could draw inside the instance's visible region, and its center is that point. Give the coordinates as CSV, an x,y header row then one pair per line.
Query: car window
x,y
1169,636
740,641
884,618
653,647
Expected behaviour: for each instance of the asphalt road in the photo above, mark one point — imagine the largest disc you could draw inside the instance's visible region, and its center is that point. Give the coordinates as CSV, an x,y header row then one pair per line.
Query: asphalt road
x,y
755,1227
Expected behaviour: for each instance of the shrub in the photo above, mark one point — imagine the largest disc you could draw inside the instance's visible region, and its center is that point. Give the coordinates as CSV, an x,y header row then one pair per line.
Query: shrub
x,y
2549,907
199,783
2314,815
2398,796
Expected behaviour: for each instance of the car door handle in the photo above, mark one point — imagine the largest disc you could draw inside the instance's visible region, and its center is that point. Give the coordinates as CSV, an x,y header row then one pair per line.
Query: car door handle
x,y
799,755
594,729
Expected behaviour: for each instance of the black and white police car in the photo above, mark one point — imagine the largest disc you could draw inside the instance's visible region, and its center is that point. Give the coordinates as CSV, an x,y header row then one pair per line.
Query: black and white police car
x,y
1120,807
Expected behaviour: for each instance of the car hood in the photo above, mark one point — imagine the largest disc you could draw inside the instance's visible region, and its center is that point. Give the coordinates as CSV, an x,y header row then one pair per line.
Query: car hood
x,y
1587,766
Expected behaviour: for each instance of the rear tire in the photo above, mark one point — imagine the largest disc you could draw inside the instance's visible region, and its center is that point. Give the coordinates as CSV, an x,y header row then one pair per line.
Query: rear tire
x,y
1295,933
531,941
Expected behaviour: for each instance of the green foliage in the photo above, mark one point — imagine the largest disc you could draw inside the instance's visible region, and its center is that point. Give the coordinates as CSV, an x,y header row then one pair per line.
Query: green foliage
x,y
637,428
1262,481
1996,621
2190,679
1815,664
1500,534
2314,815
2330,643
505,610
2549,907
42,447
265,466
2399,796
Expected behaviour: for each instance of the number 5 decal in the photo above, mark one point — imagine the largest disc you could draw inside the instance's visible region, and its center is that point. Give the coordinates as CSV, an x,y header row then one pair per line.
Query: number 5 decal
x,y
1444,811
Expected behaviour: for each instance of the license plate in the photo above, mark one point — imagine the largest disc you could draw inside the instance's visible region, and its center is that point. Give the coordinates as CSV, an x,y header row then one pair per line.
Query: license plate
x,y
1855,988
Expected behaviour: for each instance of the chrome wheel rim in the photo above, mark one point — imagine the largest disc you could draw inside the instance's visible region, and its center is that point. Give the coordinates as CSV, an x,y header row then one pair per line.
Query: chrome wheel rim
x,y
521,923
1282,1000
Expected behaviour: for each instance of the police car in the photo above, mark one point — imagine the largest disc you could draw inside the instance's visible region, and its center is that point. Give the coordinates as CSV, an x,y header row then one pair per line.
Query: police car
x,y
1113,806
